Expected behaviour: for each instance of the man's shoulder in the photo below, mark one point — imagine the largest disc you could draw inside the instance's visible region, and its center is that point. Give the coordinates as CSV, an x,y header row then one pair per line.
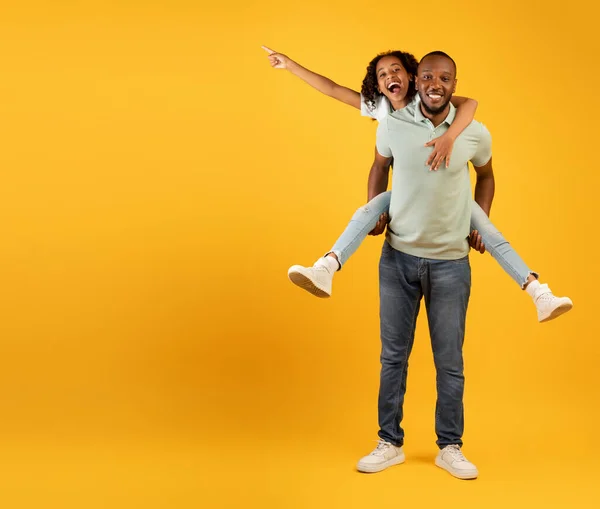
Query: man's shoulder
x,y
478,138
476,130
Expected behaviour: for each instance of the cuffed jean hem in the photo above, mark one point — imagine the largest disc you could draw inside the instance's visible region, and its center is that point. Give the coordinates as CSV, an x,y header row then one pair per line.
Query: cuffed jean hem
x,y
531,273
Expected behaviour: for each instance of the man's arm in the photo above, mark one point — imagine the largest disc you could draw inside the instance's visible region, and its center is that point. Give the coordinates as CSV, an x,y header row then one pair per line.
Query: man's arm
x,y
378,183
379,175
485,186
321,83
484,195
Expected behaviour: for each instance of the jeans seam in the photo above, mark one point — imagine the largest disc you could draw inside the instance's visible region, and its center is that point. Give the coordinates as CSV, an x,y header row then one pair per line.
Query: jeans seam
x,y
361,234
342,257
506,266
403,374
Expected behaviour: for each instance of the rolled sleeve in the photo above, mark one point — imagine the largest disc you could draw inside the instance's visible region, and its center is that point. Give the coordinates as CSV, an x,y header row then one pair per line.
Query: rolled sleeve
x,y
484,148
365,110
383,142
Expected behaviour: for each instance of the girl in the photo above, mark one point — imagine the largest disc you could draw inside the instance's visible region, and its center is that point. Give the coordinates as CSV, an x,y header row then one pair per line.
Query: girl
x,y
388,86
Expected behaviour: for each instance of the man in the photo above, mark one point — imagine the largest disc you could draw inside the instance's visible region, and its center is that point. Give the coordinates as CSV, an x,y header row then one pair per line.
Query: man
x,y
426,255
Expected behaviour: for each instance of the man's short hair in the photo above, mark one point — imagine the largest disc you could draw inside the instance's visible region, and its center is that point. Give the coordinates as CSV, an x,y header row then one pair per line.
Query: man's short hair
x,y
441,54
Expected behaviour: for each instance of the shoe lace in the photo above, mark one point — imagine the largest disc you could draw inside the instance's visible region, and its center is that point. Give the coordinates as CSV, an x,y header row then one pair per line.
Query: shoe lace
x,y
456,453
382,446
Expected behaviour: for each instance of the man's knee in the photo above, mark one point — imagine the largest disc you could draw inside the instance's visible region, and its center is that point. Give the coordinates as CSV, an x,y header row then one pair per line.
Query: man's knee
x,y
449,363
394,356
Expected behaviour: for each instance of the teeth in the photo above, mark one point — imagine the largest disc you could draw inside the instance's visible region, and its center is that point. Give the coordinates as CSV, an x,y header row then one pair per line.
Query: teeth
x,y
435,96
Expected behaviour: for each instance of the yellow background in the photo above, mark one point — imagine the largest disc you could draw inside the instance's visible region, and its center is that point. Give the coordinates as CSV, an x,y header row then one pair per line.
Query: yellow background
x,y
158,179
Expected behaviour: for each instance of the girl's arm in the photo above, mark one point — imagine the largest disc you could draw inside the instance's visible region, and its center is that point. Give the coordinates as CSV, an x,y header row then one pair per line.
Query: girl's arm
x,y
321,83
465,113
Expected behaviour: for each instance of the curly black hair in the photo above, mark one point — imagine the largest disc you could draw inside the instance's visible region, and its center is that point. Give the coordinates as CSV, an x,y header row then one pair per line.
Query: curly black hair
x,y
369,84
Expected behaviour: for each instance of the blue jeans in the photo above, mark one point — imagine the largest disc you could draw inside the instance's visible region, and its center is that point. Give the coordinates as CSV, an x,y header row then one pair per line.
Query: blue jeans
x,y
446,286
366,217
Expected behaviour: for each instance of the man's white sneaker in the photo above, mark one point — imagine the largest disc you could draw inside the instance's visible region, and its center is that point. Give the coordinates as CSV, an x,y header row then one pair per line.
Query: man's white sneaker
x,y
548,305
451,458
383,456
316,279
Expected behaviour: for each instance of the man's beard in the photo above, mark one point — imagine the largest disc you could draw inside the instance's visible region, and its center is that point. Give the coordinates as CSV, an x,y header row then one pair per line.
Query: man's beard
x,y
438,109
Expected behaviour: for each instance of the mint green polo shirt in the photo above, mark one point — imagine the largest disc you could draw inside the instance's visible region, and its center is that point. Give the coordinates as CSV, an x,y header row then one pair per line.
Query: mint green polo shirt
x,y
430,211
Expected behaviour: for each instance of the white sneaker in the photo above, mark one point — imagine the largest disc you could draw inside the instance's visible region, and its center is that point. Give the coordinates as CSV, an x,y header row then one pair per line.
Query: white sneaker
x,y
548,305
385,455
451,459
316,279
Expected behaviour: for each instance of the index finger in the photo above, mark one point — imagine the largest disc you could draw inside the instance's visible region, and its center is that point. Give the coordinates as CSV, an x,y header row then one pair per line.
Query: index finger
x,y
268,50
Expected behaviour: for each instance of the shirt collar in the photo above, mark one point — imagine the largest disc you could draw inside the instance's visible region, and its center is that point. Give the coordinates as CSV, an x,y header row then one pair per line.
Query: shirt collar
x,y
419,117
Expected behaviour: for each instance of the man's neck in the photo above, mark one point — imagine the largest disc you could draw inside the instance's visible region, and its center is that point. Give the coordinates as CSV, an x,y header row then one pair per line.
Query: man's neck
x,y
436,118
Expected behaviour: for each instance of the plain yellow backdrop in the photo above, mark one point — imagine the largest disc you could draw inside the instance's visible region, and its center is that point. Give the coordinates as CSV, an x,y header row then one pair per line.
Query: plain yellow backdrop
x,y
158,179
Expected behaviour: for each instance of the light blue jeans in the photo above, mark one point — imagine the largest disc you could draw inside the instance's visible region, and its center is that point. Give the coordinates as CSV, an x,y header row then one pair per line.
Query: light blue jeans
x,y
366,217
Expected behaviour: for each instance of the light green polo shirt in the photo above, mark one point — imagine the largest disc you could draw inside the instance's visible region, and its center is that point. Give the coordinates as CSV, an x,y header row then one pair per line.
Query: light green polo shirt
x,y
430,211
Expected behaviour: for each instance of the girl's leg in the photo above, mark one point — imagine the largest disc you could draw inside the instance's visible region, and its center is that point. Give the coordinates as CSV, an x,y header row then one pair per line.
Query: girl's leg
x,y
500,248
362,222
318,278
548,305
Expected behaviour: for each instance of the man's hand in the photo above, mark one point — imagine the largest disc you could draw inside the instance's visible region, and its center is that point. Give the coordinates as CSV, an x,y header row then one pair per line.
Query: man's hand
x,y
384,219
475,242
442,150
277,60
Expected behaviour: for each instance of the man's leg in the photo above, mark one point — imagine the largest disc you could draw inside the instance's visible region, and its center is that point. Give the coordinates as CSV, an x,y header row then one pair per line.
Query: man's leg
x,y
447,287
400,296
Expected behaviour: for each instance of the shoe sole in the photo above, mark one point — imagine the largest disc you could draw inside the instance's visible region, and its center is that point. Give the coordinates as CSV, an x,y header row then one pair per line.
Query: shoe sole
x,y
371,469
456,473
560,310
305,283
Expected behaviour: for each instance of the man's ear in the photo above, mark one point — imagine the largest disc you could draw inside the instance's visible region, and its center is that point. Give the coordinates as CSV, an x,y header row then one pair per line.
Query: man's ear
x,y
454,87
